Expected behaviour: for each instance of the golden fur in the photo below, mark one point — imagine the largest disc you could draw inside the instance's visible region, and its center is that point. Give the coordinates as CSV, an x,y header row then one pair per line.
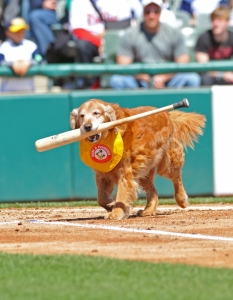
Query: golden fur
x,y
152,145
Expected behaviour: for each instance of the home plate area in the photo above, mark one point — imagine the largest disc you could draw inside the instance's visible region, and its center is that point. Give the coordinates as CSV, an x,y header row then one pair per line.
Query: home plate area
x,y
198,235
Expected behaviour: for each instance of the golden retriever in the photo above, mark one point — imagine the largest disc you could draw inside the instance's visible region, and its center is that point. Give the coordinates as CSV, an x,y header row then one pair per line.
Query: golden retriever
x,y
152,145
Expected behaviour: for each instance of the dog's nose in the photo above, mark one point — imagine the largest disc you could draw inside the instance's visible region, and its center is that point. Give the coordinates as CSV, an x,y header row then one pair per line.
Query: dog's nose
x,y
88,127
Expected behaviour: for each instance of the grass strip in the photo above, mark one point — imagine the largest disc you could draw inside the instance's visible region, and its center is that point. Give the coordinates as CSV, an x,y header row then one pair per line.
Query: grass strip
x,y
78,203
92,278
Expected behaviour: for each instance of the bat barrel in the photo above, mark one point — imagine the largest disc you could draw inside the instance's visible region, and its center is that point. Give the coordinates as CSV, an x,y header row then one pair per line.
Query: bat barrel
x,y
67,137
55,141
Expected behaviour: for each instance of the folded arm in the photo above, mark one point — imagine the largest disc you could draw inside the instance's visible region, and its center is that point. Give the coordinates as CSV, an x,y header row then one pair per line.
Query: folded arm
x,y
203,57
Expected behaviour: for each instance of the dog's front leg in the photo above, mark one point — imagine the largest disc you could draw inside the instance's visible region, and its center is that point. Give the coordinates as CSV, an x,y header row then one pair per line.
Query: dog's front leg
x,y
151,195
105,189
126,195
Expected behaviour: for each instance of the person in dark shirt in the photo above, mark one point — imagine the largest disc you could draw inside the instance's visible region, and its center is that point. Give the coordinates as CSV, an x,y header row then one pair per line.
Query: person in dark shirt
x,y
216,44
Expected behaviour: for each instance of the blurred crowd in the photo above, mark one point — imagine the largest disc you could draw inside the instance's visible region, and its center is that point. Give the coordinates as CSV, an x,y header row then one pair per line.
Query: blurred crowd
x,y
83,31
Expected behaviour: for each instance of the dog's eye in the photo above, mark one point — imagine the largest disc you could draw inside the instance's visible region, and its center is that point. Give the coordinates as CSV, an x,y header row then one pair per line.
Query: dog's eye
x,y
82,116
96,113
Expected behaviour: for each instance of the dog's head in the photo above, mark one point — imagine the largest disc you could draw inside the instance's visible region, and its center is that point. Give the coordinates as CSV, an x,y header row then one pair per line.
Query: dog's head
x,y
90,115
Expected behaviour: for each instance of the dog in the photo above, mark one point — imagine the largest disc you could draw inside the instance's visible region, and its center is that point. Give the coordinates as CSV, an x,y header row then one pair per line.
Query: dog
x,y
151,145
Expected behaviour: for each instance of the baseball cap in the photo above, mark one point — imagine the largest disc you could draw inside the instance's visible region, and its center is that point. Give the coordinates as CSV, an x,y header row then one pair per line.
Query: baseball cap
x,y
16,25
157,2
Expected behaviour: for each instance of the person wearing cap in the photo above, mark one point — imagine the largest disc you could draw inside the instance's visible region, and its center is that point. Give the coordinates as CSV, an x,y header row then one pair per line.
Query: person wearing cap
x,y
19,54
153,42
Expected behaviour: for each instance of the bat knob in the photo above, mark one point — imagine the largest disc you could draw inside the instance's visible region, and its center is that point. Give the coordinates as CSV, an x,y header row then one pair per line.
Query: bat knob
x,y
183,103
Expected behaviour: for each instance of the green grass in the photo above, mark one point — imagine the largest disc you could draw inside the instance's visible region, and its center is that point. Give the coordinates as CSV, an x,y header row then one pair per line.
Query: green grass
x,y
40,204
68,277
202,200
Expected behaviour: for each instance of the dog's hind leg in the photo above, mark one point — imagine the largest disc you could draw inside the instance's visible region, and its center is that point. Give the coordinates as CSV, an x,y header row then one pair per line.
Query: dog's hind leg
x,y
180,194
151,195
105,190
172,170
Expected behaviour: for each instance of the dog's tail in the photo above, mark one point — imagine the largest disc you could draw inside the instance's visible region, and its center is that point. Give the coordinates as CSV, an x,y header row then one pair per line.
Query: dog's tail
x,y
187,126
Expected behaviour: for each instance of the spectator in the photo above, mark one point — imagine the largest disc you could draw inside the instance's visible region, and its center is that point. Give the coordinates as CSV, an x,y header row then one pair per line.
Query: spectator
x,y
153,42
168,16
198,7
204,7
9,9
18,53
216,44
87,26
230,5
186,5
42,15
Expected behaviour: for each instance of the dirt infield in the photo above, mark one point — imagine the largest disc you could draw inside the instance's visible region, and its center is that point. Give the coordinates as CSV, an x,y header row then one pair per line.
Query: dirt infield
x,y
192,236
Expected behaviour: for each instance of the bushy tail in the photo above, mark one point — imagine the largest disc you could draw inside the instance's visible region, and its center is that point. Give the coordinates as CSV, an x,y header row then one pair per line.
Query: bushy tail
x,y
187,126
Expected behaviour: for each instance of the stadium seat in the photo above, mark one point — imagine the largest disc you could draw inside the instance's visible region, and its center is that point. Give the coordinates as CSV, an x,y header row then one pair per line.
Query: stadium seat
x,y
111,40
191,35
175,5
203,21
184,17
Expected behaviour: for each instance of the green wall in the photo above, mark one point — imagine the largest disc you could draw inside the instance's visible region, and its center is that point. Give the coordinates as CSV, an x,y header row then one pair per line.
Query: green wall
x,y
28,175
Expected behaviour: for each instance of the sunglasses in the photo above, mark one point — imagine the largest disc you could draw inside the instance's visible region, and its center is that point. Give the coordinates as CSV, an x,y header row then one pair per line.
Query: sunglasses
x,y
152,11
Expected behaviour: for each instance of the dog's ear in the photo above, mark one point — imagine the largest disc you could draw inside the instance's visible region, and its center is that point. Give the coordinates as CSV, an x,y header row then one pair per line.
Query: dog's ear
x,y
73,118
110,113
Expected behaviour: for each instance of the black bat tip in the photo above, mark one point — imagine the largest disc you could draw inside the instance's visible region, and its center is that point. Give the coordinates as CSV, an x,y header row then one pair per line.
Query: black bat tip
x,y
183,103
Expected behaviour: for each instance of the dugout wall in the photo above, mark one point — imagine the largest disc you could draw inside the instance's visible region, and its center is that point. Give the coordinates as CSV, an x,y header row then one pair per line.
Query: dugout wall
x,y
27,175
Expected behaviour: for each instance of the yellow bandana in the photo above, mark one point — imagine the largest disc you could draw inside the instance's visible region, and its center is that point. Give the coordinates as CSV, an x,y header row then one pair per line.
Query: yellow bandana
x,y
102,156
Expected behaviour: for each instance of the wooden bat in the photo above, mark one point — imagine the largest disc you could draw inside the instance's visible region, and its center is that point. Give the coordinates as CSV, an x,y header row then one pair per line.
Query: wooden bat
x,y
75,135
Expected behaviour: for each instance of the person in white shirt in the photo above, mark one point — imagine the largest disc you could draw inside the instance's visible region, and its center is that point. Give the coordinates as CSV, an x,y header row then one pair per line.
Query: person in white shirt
x,y
199,7
19,54
168,16
88,27
204,7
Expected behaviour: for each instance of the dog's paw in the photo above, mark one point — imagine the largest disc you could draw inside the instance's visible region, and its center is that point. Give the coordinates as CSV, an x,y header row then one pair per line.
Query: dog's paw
x,y
117,214
182,201
145,213
109,208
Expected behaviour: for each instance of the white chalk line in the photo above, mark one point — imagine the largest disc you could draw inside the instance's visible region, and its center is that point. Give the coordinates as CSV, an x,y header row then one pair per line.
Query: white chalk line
x,y
156,232
135,230
9,222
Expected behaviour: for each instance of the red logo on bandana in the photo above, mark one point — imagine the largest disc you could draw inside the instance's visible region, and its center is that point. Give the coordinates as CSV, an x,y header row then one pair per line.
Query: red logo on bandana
x,y
100,153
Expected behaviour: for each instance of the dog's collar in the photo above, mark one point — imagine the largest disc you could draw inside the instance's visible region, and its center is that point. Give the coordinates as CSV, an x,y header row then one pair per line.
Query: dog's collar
x,y
103,156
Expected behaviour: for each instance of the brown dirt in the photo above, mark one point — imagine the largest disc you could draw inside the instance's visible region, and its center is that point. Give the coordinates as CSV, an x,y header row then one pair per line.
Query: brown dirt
x,y
215,220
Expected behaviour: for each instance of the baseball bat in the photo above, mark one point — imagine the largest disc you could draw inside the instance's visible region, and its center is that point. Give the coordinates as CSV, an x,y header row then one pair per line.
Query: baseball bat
x,y
75,135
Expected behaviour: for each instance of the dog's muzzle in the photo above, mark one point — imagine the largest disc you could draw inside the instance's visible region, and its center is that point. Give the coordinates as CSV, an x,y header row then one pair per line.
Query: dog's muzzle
x,y
94,138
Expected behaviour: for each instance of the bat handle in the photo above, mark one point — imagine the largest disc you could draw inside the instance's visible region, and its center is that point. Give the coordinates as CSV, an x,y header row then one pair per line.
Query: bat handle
x,y
183,103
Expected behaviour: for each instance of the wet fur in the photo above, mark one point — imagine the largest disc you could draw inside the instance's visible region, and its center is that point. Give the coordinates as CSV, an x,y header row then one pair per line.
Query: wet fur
x,y
152,145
